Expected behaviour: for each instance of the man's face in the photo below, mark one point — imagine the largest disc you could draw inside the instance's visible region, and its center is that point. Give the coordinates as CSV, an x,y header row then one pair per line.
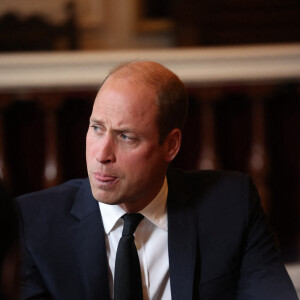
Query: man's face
x,y
126,165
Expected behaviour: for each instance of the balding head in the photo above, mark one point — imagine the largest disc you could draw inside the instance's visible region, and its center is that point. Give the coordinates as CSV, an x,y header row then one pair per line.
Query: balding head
x,y
170,90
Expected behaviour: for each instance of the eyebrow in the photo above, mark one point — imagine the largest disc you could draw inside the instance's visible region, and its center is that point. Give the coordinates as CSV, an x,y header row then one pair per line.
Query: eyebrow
x,y
125,129
94,120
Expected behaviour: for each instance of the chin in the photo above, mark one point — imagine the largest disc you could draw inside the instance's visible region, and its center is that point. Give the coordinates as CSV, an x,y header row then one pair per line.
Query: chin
x,y
105,199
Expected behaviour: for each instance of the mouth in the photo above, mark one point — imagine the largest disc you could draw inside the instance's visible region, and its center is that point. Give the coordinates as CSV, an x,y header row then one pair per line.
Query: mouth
x,y
105,180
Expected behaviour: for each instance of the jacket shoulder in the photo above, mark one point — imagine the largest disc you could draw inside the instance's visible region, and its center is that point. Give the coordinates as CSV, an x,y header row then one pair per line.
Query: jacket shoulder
x,y
57,198
208,179
212,190
70,186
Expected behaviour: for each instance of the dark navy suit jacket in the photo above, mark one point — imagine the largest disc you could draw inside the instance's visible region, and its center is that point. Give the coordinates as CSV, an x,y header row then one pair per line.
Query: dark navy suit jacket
x,y
220,246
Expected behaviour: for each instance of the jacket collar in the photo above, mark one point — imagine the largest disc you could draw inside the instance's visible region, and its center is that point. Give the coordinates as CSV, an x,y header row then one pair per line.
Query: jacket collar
x,y
84,203
89,244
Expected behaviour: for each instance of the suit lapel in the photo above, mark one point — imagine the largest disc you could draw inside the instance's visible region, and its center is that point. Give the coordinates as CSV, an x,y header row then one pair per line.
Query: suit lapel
x,y
182,239
89,245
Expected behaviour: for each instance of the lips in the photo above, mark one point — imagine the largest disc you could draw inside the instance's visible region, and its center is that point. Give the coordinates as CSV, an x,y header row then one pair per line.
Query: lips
x,y
105,179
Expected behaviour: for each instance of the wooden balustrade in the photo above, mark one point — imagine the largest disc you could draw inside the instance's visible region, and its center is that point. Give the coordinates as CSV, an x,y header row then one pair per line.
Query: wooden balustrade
x,y
50,103
258,160
208,158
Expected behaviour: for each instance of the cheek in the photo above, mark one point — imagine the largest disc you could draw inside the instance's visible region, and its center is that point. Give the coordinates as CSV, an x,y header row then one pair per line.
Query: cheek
x,y
153,154
91,148
142,158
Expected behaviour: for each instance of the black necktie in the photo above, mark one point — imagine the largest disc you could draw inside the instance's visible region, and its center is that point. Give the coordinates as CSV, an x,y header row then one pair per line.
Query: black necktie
x,y
127,281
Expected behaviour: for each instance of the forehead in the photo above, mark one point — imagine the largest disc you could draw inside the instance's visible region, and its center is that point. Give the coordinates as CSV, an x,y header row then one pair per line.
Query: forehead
x,y
126,99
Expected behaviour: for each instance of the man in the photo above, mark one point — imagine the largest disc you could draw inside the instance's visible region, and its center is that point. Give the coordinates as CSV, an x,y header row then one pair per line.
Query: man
x,y
203,235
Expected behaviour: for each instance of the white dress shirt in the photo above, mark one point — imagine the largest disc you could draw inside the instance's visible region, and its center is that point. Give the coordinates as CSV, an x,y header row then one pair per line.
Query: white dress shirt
x,y
151,239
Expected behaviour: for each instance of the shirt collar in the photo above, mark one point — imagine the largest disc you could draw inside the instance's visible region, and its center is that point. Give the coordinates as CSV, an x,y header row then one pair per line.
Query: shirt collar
x,y
155,211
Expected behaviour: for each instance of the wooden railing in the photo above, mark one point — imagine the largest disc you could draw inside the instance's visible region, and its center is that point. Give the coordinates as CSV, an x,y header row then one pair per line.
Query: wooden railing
x,y
244,116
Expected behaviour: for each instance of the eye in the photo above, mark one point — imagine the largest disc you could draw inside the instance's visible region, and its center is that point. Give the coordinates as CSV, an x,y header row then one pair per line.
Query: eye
x,y
95,128
125,137
128,138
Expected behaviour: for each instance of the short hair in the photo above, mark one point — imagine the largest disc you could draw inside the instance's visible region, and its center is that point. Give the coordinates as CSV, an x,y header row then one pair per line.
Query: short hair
x,y
171,93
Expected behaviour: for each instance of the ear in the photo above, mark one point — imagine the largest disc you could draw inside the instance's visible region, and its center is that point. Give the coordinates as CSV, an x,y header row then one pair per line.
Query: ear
x,y
172,144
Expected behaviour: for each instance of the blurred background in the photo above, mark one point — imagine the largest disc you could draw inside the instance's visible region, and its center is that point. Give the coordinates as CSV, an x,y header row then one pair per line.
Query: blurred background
x,y
240,61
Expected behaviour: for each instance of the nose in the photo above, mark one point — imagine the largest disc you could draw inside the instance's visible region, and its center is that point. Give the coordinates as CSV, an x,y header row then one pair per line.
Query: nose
x,y
106,150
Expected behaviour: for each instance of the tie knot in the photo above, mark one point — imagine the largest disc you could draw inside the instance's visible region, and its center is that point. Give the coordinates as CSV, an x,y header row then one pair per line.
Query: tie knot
x,y
131,221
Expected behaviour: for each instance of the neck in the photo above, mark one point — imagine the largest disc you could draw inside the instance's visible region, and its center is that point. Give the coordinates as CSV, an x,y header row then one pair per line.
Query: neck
x,y
137,205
